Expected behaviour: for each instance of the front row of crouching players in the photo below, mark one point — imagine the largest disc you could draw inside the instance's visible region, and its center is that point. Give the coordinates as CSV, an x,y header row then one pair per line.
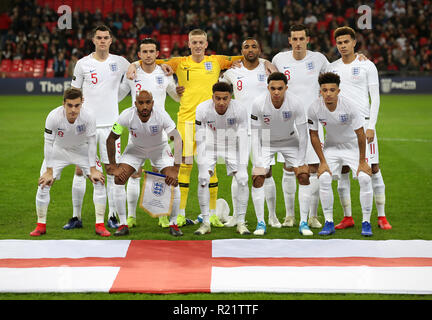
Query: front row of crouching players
x,y
278,124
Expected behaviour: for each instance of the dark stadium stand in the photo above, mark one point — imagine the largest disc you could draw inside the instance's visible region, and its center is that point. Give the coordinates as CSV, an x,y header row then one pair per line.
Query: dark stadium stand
x,y
400,40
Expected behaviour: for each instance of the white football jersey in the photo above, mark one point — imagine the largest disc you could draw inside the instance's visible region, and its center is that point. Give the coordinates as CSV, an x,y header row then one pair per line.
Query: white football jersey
x,y
302,74
69,135
339,124
100,82
247,84
156,82
280,122
221,127
146,135
355,80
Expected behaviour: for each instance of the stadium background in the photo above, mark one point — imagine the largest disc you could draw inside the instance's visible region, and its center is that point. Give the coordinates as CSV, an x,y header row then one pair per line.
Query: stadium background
x,y
32,47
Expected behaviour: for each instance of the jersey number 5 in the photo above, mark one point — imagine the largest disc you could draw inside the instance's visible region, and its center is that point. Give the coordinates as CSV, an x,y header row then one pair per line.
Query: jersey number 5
x,y
94,78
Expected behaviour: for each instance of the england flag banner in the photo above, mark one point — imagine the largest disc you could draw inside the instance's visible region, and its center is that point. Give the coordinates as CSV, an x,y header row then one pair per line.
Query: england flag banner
x,y
226,265
156,196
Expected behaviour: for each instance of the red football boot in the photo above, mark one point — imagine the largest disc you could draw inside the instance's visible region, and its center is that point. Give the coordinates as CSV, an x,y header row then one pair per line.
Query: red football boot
x,y
40,230
347,222
383,223
100,230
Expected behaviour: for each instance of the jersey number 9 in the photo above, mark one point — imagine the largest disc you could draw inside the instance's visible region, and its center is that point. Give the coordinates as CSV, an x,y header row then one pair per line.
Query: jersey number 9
x,y
239,85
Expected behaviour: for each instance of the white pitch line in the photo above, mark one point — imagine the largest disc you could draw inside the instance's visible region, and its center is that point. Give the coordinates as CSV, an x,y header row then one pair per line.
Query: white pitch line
x,y
406,140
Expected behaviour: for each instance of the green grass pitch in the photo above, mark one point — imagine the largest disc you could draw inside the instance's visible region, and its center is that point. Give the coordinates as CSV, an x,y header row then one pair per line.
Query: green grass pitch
x,y
405,145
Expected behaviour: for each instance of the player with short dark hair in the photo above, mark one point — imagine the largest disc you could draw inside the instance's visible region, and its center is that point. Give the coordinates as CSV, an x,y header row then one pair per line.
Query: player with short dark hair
x,y
99,75
344,145
221,131
70,139
278,123
359,81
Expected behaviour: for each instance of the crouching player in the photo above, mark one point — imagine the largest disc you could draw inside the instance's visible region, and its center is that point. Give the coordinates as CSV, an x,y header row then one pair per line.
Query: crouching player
x,y
70,139
222,131
344,145
275,116
146,141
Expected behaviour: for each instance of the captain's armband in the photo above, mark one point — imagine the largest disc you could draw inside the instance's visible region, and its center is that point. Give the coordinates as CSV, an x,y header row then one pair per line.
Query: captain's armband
x,y
117,129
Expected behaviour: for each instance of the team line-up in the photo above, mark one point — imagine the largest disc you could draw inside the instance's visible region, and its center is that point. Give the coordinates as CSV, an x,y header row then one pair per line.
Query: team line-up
x,y
278,113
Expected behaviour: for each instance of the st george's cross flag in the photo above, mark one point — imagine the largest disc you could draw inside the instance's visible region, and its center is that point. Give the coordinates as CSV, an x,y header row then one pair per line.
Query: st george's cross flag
x,y
231,265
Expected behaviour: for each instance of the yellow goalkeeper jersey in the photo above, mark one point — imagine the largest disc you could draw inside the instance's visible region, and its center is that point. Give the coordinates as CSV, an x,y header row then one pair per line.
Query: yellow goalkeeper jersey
x,y
198,80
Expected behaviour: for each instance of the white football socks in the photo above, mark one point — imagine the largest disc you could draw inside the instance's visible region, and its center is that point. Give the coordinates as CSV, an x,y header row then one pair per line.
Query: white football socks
x,y
78,191
304,199
344,191
234,194
110,195
42,203
314,195
379,193
258,197
242,202
204,200
119,196
366,195
289,187
176,206
270,196
99,200
326,195
132,195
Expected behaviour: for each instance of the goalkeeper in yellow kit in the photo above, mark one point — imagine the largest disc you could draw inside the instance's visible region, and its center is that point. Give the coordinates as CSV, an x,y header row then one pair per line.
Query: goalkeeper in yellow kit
x,y
197,74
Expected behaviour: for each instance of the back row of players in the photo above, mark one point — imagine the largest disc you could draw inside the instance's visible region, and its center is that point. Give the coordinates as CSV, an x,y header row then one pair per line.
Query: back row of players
x,y
267,112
